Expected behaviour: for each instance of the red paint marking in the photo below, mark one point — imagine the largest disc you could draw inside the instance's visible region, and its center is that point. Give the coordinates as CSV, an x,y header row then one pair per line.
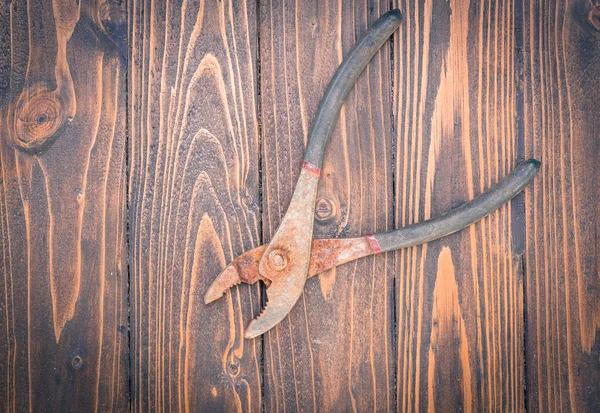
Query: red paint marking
x,y
374,244
309,167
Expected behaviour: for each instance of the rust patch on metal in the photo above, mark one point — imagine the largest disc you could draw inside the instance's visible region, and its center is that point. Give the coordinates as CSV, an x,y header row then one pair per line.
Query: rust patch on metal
x,y
247,265
278,259
329,253
243,269
292,243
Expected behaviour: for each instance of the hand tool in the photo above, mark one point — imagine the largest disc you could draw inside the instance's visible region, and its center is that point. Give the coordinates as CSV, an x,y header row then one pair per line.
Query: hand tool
x,y
292,256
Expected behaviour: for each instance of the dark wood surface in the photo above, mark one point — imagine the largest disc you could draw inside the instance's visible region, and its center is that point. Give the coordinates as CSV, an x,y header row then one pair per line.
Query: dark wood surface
x,y
561,62
194,203
64,271
145,144
459,300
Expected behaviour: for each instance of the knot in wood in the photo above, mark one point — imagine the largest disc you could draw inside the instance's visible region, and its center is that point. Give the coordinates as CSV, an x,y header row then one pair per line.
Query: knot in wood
x,y
594,17
247,199
38,116
324,209
233,367
77,362
113,18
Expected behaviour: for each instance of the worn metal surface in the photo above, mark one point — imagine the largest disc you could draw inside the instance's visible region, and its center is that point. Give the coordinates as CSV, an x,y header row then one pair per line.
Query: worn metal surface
x,y
286,259
464,215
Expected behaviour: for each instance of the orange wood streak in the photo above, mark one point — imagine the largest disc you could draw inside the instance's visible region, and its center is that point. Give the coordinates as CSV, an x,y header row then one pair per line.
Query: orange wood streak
x,y
200,391
452,61
449,366
35,120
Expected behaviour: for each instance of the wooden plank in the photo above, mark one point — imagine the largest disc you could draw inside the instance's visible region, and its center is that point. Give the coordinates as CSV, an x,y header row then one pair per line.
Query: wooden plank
x,y
561,44
63,279
335,349
194,199
459,299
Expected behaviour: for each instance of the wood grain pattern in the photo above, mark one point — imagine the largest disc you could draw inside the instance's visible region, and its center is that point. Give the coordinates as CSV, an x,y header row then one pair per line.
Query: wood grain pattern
x,y
335,349
561,48
454,112
194,203
63,179
145,144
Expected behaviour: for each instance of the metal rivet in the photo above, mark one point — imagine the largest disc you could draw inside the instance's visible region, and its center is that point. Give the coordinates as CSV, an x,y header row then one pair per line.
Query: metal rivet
x,y
277,259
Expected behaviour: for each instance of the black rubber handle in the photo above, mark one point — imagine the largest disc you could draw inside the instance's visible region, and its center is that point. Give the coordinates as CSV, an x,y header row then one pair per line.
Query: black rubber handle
x,y
343,81
464,215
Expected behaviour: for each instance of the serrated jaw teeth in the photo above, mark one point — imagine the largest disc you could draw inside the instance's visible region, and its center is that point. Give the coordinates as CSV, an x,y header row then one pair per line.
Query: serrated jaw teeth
x,y
227,279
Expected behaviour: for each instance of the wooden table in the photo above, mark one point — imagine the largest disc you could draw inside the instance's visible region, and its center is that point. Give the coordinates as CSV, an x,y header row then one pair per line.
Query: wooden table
x,y
144,144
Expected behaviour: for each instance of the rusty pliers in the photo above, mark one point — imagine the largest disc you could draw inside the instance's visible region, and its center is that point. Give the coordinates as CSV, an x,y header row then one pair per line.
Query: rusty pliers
x,y
292,256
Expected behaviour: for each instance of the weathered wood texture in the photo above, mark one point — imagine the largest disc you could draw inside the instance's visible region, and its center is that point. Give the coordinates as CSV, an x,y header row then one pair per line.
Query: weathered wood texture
x,y
459,299
335,350
194,203
561,60
63,277
145,144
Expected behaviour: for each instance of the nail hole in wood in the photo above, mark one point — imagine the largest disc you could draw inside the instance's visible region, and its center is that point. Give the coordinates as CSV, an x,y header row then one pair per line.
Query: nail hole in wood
x,y
233,368
77,362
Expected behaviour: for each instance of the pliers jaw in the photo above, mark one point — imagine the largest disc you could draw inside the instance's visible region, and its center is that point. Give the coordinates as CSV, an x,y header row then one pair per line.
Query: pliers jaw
x,y
243,269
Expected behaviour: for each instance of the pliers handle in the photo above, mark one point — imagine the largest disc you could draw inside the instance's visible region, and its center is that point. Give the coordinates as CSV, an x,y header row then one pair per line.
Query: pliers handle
x,y
326,254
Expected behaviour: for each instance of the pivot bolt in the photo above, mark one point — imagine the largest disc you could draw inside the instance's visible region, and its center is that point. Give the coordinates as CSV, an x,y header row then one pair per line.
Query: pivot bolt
x,y
277,259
